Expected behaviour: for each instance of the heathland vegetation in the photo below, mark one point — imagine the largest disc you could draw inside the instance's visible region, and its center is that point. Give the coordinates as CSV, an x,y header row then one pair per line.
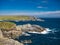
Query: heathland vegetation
x,y
17,18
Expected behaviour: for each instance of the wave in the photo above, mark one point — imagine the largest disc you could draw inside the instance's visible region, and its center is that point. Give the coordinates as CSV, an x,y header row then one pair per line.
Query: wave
x,y
53,31
46,31
25,34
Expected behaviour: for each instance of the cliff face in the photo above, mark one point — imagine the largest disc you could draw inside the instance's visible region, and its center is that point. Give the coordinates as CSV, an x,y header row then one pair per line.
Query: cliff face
x,y
12,33
7,34
9,30
7,41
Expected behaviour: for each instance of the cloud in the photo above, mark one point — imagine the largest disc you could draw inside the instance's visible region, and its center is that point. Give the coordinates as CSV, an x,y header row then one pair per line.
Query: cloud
x,y
48,12
41,14
41,7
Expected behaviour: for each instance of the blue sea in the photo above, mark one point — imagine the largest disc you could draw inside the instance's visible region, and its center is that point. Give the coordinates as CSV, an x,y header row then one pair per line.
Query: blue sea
x,y
51,38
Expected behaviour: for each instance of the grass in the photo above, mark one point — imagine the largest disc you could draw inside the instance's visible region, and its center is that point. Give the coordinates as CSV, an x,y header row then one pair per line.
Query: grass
x,y
15,18
6,25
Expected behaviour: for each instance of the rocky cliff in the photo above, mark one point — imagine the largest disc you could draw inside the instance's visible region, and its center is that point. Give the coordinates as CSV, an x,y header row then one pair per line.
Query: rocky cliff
x,y
7,34
9,31
7,41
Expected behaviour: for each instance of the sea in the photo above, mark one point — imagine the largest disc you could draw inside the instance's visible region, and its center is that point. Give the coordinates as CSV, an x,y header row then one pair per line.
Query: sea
x,y
51,38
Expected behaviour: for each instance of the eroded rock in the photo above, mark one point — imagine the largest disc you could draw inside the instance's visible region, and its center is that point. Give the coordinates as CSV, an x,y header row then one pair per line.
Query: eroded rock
x,y
6,41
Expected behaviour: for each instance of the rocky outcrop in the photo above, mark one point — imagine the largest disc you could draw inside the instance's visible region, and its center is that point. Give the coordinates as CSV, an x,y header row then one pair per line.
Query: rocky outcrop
x,y
30,28
12,33
8,34
6,41
9,30
19,29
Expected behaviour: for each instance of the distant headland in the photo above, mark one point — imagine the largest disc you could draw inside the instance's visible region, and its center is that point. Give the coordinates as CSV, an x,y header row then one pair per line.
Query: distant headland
x,y
19,18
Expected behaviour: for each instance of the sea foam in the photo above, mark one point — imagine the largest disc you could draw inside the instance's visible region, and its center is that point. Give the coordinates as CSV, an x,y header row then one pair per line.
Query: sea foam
x,y
46,31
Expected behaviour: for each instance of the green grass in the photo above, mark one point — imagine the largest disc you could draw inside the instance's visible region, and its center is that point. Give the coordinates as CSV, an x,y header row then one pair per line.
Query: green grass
x,y
6,25
15,18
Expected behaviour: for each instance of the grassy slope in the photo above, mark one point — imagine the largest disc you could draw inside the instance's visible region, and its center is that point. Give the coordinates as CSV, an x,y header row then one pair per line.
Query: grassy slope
x,y
6,25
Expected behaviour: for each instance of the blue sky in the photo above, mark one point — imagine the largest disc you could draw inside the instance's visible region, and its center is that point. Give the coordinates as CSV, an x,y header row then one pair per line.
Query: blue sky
x,y
30,7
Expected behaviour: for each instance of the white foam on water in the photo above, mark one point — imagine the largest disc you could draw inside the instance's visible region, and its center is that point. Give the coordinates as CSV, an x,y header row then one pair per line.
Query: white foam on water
x,y
35,32
25,34
46,31
54,30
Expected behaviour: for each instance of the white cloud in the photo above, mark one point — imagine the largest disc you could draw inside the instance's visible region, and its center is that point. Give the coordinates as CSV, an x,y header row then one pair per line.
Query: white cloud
x,y
48,12
41,7
42,14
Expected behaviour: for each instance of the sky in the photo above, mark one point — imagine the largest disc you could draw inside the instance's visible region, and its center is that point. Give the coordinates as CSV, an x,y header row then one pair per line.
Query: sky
x,y
43,8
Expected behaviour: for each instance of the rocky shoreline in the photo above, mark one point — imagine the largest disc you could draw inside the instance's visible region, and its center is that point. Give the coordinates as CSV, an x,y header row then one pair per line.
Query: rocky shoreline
x,y
17,30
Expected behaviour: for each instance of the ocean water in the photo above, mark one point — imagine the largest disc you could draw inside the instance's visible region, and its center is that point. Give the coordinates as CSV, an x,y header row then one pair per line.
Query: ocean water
x,y
51,38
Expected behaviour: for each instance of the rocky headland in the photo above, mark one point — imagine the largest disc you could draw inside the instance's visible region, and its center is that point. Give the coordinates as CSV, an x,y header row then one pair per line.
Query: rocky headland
x,y
19,18
9,31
